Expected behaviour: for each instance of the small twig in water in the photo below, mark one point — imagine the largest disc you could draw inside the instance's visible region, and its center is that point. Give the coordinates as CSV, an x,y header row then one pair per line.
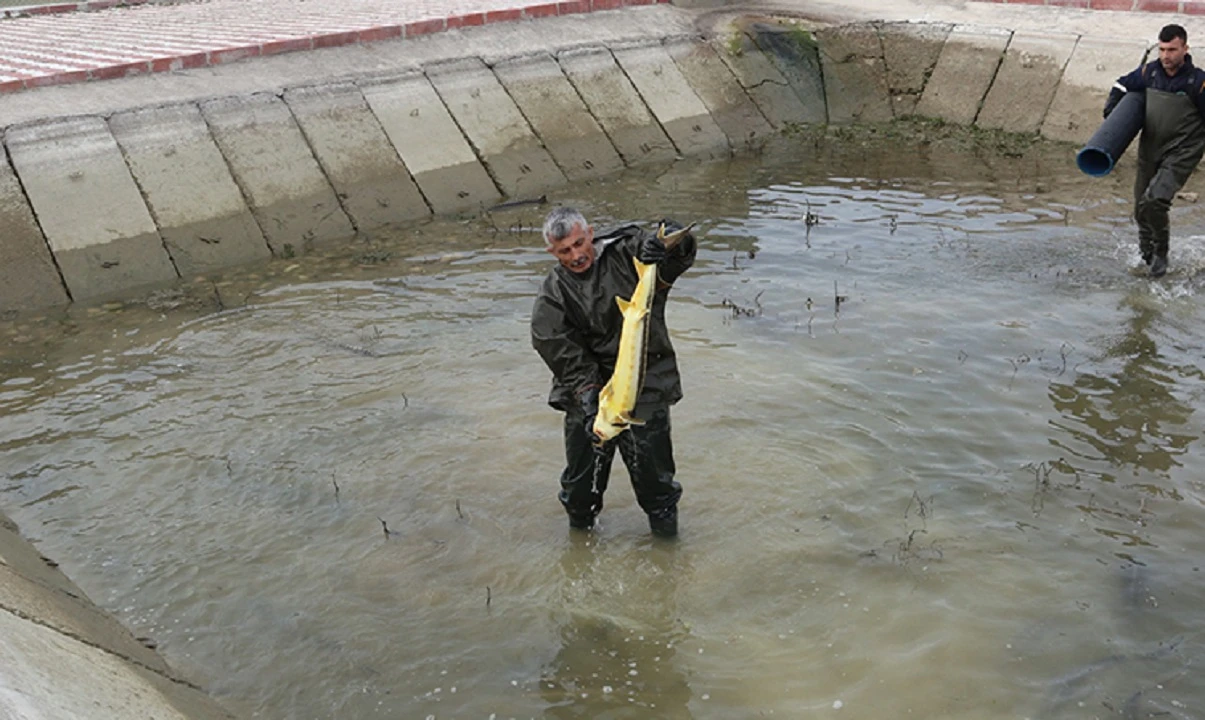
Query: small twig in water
x,y
488,597
405,401
459,513
385,528
336,484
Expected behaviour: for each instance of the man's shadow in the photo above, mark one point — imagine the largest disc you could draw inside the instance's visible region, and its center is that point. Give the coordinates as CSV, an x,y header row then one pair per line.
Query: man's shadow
x,y
619,634
1128,418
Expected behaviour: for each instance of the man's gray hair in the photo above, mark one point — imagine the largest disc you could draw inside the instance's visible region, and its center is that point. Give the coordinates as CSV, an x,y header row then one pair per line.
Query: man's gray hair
x,y
560,222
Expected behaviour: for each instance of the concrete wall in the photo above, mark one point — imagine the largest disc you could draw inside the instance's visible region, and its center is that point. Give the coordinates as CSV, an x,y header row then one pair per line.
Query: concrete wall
x,y
62,657
96,207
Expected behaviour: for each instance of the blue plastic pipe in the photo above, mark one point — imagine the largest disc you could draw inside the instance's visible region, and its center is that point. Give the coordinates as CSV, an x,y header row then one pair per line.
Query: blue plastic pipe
x,y
1114,135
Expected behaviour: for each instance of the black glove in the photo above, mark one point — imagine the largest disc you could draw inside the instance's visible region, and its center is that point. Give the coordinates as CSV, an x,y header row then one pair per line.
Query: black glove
x,y
652,250
589,403
1115,97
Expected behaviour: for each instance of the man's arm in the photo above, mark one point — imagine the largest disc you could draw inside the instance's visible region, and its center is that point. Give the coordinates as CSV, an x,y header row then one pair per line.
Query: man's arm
x,y
679,258
560,344
1131,82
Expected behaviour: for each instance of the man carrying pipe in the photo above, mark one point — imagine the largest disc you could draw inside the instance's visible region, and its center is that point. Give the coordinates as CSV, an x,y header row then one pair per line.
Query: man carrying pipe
x,y
1172,141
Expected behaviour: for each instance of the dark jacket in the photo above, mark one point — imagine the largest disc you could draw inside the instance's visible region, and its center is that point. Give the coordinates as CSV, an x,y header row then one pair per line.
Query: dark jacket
x,y
575,324
1173,129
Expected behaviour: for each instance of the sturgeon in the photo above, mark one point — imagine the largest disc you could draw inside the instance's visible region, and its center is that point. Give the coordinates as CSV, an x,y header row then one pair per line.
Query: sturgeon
x,y
618,397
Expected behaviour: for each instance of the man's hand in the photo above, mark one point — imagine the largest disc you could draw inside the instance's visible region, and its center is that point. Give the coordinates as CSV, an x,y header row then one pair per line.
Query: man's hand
x,y
589,403
652,250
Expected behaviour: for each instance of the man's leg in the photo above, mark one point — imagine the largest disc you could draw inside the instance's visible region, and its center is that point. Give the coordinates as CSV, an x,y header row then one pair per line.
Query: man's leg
x,y
587,470
648,453
1151,210
1146,231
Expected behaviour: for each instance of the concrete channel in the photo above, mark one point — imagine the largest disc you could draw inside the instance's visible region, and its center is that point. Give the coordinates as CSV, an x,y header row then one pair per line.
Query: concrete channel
x,y
110,189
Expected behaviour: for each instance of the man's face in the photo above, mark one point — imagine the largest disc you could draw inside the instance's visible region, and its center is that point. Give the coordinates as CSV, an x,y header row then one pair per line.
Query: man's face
x,y
575,250
1171,55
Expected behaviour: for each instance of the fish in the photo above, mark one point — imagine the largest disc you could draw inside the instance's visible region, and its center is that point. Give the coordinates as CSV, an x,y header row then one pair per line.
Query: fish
x,y
617,399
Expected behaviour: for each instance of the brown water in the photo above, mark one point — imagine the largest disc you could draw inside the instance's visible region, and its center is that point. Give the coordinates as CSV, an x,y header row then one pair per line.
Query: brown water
x,y
973,490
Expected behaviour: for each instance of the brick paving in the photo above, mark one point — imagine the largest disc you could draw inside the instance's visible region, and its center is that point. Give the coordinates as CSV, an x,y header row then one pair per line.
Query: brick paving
x,y
56,44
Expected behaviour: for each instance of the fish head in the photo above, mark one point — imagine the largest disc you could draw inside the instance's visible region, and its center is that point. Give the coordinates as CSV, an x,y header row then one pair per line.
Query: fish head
x,y
673,238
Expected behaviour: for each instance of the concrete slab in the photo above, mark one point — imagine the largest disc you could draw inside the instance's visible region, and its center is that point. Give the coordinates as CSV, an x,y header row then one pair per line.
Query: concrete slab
x,y
1025,84
91,212
614,102
964,72
559,116
356,155
429,143
51,675
793,50
72,614
1094,67
491,121
28,276
24,559
672,100
730,106
855,74
194,200
764,82
911,51
272,163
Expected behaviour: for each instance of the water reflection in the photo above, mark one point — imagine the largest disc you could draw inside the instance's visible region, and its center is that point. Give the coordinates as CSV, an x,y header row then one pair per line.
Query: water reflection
x,y
1130,417
619,636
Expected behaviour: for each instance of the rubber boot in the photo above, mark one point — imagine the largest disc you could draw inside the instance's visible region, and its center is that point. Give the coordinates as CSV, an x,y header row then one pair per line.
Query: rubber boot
x,y
664,523
1159,266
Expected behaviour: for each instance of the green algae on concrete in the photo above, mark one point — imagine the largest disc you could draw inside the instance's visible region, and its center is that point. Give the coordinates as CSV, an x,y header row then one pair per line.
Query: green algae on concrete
x,y
728,103
855,74
369,178
28,276
74,173
194,200
765,83
910,52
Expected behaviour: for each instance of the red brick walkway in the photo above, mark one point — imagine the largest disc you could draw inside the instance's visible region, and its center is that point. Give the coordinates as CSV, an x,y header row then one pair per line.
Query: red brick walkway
x,y
1187,7
51,45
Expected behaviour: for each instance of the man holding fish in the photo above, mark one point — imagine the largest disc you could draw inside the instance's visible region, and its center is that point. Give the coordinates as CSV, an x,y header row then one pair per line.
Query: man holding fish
x,y
599,325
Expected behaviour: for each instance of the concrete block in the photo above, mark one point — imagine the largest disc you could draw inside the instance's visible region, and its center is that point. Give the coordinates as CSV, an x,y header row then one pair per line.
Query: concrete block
x,y
559,116
765,83
72,614
730,106
681,113
91,212
353,150
1094,66
28,276
617,106
493,124
201,214
272,163
855,74
24,559
963,74
911,52
429,143
794,51
52,675
1025,84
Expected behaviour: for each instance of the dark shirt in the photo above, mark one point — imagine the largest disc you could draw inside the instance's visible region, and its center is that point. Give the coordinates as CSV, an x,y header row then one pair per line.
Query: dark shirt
x,y
1189,80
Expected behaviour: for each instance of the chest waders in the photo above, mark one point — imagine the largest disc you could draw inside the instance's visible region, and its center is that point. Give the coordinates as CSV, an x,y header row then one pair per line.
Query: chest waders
x,y
1173,140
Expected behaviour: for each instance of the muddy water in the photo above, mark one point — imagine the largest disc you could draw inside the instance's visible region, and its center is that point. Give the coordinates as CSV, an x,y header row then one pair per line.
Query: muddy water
x,y
968,488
